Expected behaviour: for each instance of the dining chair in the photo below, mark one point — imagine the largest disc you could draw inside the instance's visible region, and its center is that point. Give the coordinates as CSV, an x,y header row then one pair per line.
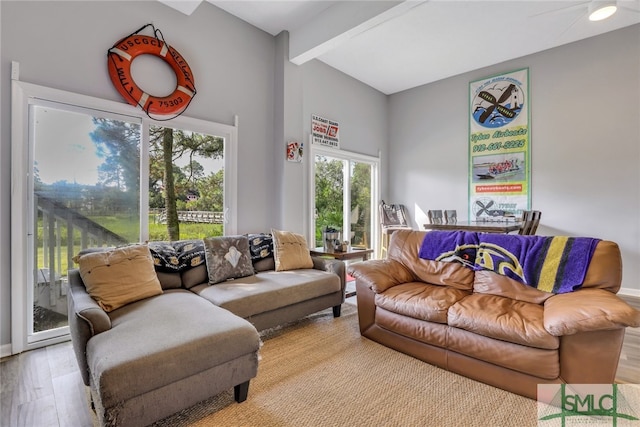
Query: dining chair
x,y
530,221
450,216
435,216
393,217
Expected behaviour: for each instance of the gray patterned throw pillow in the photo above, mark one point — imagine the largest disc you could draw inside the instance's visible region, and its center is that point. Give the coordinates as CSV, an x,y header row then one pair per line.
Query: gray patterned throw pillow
x,y
227,257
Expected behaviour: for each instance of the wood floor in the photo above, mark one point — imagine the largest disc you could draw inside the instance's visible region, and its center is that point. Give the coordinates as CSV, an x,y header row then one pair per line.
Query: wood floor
x,y
629,365
43,388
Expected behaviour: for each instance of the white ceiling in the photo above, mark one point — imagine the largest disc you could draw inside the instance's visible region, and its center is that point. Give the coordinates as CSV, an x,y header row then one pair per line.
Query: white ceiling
x,y
397,45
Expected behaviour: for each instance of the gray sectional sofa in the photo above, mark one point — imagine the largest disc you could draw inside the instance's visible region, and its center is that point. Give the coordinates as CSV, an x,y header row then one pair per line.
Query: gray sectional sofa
x,y
151,358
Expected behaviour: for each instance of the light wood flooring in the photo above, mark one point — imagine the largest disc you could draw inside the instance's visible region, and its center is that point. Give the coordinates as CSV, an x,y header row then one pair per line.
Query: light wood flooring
x,y
43,387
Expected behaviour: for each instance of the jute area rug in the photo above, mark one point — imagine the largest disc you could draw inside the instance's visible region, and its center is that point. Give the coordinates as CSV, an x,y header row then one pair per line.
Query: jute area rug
x,y
321,372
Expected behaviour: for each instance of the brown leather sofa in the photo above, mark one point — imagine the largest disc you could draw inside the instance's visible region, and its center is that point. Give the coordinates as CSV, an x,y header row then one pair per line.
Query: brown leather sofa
x,y
489,327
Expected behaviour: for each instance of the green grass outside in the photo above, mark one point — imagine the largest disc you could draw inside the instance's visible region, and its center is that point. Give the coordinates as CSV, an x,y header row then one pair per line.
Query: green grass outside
x,y
125,228
158,232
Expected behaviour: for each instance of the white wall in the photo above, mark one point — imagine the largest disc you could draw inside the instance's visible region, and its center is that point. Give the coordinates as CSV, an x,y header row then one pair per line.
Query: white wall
x,y
585,142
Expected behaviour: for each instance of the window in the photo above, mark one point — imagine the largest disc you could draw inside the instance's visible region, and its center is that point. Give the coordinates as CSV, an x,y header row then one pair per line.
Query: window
x,y
345,189
78,168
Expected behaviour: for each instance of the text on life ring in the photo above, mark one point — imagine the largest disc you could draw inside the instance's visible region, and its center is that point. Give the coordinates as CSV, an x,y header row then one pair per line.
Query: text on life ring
x,y
122,55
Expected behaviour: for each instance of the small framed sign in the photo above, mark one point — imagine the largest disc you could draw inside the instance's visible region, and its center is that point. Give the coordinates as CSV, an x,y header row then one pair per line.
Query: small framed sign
x,y
325,132
294,151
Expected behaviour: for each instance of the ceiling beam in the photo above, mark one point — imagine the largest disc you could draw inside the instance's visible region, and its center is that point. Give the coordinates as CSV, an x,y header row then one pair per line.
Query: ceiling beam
x,y
185,6
339,23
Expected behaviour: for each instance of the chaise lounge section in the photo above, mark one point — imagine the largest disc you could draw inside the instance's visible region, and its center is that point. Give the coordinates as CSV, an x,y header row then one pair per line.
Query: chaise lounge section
x,y
154,357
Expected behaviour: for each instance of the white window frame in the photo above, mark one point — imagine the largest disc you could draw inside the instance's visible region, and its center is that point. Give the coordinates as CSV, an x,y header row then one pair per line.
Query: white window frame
x,y
25,94
346,215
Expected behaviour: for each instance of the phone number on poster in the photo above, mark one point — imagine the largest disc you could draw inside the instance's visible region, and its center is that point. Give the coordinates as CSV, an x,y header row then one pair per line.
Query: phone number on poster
x,y
516,143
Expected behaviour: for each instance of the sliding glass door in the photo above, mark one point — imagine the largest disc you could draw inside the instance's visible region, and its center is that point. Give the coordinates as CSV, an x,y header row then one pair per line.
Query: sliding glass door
x,y
85,191
93,173
345,193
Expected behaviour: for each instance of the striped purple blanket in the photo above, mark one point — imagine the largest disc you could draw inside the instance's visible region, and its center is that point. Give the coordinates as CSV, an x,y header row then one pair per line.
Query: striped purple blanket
x,y
556,264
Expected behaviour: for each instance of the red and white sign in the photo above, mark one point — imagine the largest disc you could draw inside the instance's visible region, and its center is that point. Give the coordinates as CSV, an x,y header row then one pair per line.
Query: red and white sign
x,y
325,132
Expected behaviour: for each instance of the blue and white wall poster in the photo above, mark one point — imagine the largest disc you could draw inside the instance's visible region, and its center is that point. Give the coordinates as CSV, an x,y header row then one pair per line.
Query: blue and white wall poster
x,y
499,147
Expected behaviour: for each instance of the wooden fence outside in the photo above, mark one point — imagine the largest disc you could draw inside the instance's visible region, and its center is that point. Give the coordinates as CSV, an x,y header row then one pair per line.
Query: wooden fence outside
x,y
194,216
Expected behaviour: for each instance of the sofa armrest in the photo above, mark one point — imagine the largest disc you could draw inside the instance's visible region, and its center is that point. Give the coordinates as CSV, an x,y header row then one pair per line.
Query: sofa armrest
x,y
587,310
86,319
85,307
332,266
381,274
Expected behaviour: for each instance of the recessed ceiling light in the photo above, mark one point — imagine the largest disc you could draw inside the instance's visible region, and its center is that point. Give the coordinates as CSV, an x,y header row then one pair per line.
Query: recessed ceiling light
x,y
599,10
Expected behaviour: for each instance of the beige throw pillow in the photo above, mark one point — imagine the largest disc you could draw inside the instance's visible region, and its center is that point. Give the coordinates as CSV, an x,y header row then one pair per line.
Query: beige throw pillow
x,y
290,251
120,276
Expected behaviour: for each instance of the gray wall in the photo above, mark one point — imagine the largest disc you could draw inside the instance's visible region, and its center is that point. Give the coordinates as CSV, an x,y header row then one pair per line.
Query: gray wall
x,y
238,69
317,89
64,44
585,142
360,110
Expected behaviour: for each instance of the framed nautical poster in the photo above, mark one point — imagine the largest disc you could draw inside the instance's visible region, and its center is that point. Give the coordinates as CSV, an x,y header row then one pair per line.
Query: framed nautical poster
x,y
499,146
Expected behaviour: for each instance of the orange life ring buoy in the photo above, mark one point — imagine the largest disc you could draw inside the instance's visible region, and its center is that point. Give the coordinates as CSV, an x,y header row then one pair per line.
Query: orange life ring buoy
x,y
122,54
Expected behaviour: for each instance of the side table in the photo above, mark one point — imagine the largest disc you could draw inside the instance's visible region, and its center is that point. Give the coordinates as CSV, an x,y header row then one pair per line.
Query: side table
x,y
351,253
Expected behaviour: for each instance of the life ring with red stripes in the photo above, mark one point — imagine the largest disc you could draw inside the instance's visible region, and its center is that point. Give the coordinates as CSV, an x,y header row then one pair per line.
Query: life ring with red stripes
x,y
122,54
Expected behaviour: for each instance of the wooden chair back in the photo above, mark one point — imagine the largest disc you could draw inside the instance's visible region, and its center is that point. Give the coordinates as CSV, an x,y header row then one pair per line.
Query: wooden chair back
x,y
392,217
450,216
435,216
530,221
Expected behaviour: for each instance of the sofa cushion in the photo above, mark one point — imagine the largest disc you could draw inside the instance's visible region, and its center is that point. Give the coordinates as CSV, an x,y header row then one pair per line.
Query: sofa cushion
x,y
264,264
420,300
165,258
174,257
404,247
119,276
194,276
169,280
291,251
489,282
538,362
503,319
178,331
431,333
260,246
227,257
270,290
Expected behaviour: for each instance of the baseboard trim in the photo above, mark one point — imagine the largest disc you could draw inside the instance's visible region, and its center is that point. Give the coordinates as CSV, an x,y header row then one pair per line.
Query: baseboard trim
x,y
5,350
629,292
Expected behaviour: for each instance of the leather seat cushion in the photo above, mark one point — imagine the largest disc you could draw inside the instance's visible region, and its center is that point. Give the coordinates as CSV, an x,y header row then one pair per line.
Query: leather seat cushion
x,y
538,362
420,300
504,319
